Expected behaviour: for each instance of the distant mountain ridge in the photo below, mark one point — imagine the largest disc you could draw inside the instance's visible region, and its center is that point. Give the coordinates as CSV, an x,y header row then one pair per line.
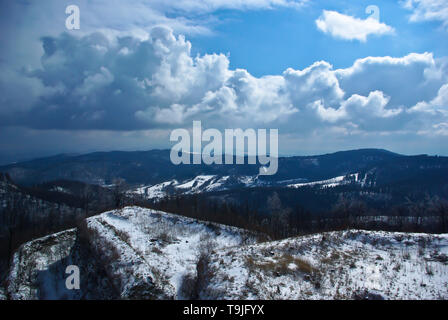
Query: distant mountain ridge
x,y
154,166
151,175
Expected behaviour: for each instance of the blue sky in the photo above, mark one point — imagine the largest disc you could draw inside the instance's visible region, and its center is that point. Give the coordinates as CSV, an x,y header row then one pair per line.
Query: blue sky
x,y
324,73
270,41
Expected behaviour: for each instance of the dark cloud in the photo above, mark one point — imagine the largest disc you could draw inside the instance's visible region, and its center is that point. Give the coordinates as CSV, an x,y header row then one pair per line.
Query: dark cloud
x,y
98,82
126,88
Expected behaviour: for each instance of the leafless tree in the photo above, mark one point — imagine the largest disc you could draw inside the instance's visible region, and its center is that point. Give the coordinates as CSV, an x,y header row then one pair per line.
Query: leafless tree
x,y
119,192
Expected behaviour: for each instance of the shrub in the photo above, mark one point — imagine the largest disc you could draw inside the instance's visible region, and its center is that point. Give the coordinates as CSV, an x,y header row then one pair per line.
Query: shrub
x,y
189,286
156,250
281,266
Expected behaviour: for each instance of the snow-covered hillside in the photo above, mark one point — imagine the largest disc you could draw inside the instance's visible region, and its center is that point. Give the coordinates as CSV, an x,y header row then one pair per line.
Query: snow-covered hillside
x,y
38,270
200,183
142,253
334,265
158,246
139,253
329,183
209,183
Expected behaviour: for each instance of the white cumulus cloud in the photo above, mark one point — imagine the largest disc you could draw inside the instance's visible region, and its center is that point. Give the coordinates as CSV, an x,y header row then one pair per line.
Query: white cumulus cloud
x,y
428,10
350,28
159,84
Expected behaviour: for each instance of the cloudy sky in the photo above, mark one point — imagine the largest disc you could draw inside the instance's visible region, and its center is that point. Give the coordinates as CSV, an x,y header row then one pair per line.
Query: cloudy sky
x,y
330,75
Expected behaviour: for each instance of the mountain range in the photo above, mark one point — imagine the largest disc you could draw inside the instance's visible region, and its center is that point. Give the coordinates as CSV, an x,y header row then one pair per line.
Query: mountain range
x,y
152,167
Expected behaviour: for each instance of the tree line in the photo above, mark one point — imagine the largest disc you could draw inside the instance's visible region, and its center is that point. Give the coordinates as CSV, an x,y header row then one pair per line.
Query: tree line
x,y
278,220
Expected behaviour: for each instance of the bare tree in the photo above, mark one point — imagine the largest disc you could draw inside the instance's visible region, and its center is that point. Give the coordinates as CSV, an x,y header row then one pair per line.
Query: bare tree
x,y
87,196
119,192
280,216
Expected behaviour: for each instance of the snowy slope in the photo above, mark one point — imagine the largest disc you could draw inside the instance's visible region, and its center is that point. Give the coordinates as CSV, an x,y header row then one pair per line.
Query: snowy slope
x,y
335,265
142,254
209,183
157,191
329,183
200,183
158,246
137,253
38,270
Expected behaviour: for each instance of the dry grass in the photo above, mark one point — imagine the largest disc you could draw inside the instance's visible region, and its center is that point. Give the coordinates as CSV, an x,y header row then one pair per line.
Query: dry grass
x,y
285,264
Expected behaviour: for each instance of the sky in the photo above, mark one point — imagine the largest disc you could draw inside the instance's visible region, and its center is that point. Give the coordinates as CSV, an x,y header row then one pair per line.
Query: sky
x,y
329,75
